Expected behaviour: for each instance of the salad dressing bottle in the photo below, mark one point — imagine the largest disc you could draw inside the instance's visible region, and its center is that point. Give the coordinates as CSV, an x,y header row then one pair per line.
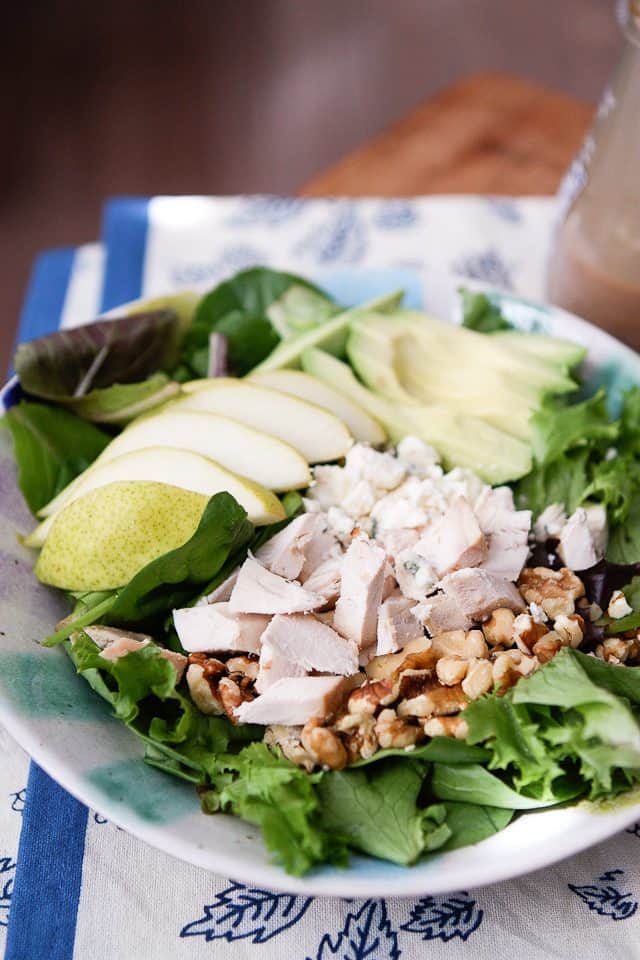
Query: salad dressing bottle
x,y
594,267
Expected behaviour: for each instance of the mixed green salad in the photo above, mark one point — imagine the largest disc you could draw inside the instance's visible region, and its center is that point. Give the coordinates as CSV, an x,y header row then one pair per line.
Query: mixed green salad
x,y
365,579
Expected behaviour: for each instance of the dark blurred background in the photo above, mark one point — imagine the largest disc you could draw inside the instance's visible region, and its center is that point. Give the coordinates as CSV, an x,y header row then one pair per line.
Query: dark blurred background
x,y
219,96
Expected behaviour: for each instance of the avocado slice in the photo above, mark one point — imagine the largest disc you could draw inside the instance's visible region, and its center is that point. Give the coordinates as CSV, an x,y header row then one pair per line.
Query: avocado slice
x,y
561,353
330,336
462,440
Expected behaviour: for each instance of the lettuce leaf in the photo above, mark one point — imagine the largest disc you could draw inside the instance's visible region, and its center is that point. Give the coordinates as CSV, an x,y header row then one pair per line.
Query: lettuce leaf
x,y
75,367
478,313
51,446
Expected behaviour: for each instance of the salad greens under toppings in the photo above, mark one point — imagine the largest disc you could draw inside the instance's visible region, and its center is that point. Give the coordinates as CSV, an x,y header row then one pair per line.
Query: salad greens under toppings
x,y
568,731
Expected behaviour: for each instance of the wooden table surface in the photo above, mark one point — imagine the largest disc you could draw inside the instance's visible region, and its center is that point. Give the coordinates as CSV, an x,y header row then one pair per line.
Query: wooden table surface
x,y
490,133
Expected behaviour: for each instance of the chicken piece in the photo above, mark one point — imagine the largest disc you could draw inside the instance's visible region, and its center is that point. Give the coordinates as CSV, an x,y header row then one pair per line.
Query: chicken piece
x,y
285,554
322,546
311,644
442,613
454,541
293,701
506,531
222,592
257,590
216,628
274,665
118,643
325,580
396,540
390,583
597,523
478,593
577,548
397,624
363,574
550,523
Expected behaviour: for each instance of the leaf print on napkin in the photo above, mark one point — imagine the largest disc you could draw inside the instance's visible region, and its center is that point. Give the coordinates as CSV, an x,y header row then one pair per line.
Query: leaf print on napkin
x,y
443,918
340,239
634,830
240,911
366,935
7,871
487,265
266,210
18,800
394,214
606,899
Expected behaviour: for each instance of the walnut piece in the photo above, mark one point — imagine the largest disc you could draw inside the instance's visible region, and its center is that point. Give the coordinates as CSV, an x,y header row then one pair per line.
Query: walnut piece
x,y
368,698
434,701
451,670
446,727
526,632
460,643
556,591
391,731
498,629
323,745
479,679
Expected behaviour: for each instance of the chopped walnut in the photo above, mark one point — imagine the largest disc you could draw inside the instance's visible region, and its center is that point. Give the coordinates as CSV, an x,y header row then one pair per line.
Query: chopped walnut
x,y
231,695
203,691
546,648
433,701
446,727
288,740
380,668
460,643
509,666
498,629
359,735
245,665
368,698
556,591
451,670
526,632
619,650
479,679
391,731
569,629
323,745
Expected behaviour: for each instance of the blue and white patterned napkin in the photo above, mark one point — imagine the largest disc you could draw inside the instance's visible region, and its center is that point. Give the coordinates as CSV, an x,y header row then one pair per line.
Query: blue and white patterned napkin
x,y
83,888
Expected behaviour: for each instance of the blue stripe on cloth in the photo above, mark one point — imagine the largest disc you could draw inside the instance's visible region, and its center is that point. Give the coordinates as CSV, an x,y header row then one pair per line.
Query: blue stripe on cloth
x,y
44,902
46,891
124,235
44,302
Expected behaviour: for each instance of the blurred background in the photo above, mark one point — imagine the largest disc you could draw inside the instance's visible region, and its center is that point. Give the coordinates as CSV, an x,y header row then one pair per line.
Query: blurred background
x,y
219,96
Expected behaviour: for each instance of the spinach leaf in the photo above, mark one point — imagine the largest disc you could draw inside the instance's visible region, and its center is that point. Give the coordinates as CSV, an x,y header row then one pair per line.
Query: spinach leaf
x,y
377,811
478,313
239,308
52,446
470,823
70,367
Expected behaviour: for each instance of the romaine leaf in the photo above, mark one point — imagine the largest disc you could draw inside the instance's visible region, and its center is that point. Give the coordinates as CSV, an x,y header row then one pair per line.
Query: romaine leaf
x,y
52,446
238,308
67,366
377,810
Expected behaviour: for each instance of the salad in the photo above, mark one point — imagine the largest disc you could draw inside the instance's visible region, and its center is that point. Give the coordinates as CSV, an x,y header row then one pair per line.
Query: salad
x,y
365,579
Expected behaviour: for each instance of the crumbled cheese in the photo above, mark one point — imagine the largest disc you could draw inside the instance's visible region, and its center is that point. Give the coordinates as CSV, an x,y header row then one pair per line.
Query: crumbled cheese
x,y
382,470
537,613
618,606
418,457
360,500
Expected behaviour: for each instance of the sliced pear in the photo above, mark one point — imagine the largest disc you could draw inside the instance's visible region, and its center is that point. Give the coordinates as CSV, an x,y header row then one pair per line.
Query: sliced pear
x,y
317,434
303,385
181,468
236,447
104,538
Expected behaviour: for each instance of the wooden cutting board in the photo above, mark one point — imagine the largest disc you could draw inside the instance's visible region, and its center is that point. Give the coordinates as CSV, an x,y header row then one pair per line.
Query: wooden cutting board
x,y
490,133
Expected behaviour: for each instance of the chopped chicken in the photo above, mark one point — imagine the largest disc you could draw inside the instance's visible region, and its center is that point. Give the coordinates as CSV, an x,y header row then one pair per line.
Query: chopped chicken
x,y
597,523
397,624
454,541
441,613
216,628
577,548
313,645
363,575
506,530
322,546
478,593
122,642
550,523
285,553
390,585
325,580
257,590
222,592
274,665
293,701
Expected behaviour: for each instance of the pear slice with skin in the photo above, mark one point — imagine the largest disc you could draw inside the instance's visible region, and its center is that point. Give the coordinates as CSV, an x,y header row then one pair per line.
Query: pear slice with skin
x,y
101,540
181,468
317,434
363,427
235,446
